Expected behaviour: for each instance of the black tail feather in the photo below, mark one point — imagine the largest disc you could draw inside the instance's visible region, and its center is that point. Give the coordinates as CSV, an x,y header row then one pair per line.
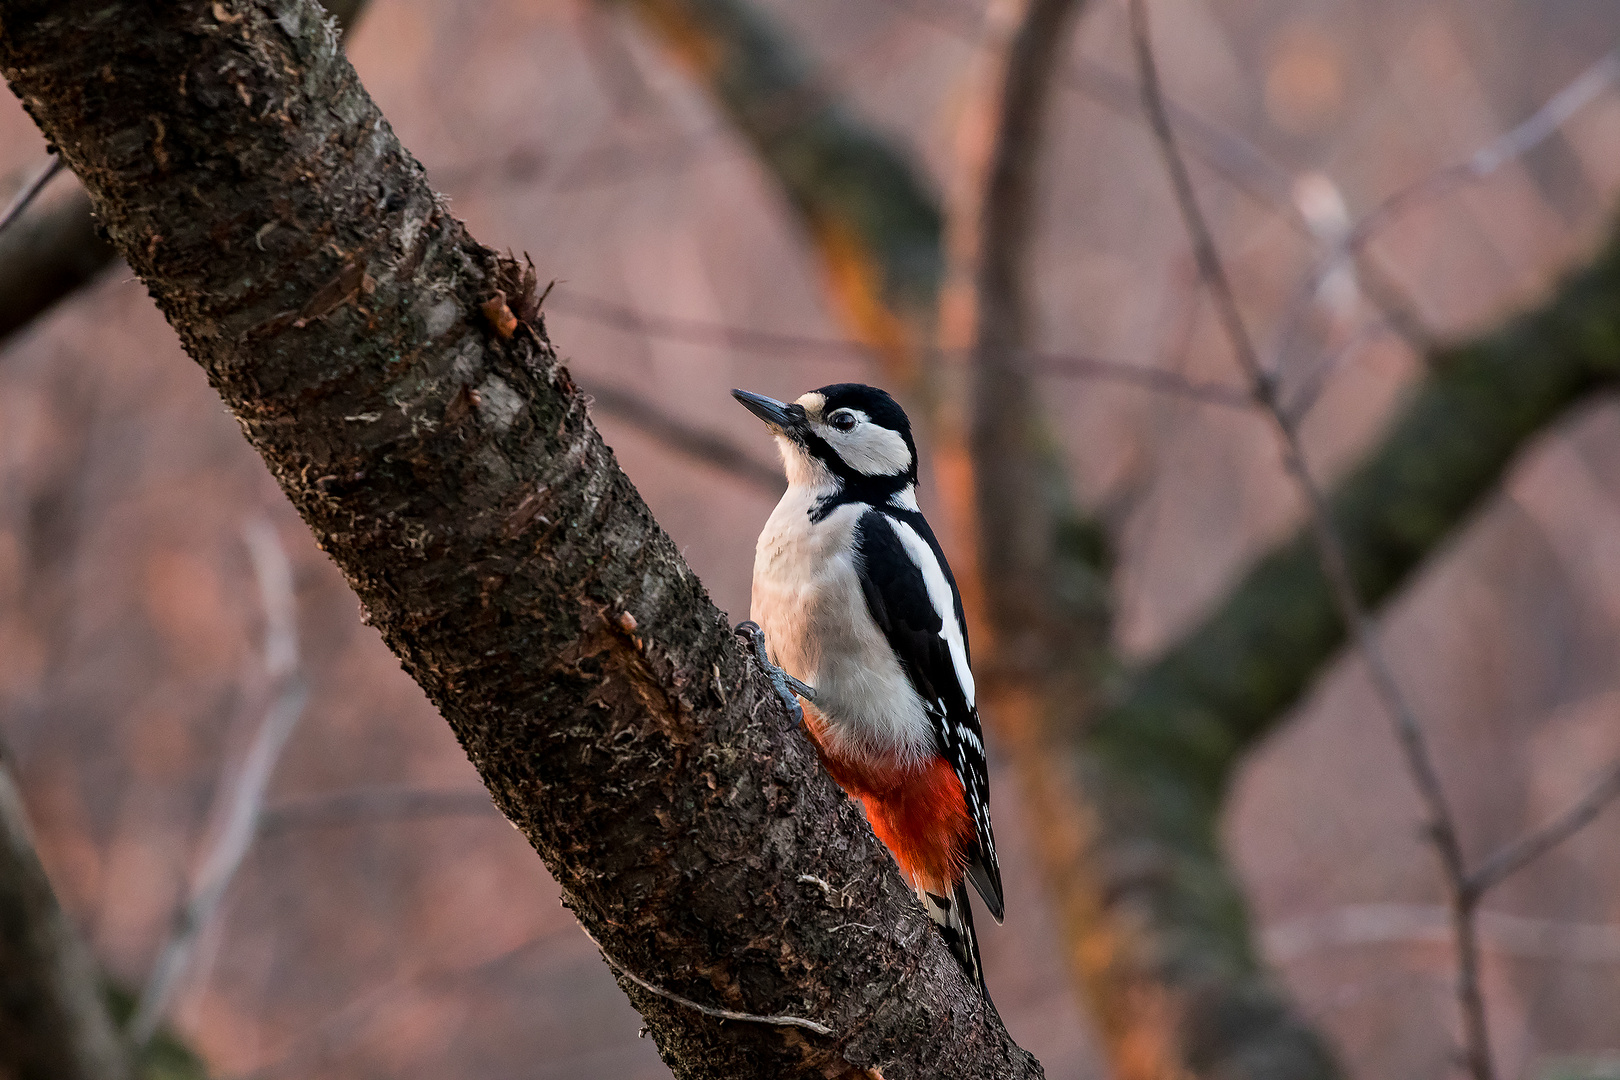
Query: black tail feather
x,y
954,917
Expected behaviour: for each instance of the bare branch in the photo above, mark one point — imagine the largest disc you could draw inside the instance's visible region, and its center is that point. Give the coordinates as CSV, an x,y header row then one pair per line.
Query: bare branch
x,y
29,190
699,332
1316,380
1361,925
243,794
771,343
1335,565
1159,380
1352,242
1509,146
1527,849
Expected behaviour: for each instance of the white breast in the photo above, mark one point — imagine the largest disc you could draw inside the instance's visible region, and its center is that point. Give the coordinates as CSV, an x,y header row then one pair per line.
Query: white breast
x,y
808,600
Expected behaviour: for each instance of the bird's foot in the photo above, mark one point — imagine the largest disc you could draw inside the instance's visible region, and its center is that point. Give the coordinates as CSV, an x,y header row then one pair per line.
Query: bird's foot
x,y
786,685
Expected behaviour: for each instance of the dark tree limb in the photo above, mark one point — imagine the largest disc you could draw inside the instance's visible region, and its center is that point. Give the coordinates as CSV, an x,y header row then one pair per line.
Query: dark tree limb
x,y
865,206
55,249
54,1023
396,378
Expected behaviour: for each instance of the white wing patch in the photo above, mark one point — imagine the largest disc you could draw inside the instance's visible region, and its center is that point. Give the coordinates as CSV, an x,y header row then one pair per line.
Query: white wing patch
x,y
943,600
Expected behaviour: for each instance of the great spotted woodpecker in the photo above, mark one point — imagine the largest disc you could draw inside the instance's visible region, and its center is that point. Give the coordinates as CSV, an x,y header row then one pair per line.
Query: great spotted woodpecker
x,y
855,599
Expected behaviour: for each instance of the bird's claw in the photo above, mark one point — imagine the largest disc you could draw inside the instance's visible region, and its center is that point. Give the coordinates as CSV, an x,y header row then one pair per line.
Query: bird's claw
x,y
786,685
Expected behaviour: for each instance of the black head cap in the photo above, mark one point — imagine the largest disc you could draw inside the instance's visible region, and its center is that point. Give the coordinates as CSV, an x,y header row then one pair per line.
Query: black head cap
x,y
878,406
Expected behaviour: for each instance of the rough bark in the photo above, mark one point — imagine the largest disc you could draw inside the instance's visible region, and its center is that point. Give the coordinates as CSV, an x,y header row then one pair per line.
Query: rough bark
x,y
54,1024
396,378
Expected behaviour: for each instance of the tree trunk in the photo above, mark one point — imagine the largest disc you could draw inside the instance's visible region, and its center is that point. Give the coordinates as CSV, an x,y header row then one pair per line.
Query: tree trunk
x,y
396,377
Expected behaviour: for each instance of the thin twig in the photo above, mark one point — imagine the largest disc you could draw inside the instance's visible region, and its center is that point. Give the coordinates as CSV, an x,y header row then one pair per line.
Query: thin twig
x,y
342,1025
1527,849
1363,925
707,1010
688,439
375,804
30,191
1515,143
245,794
698,332
1162,380
1316,380
1335,565
770,343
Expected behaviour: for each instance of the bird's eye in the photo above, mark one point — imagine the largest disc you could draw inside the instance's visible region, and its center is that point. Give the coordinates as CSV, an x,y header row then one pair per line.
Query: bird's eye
x,y
843,421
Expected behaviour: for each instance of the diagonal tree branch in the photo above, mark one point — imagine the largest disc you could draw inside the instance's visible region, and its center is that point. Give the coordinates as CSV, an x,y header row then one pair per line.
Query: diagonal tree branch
x,y
392,373
1532,846
29,191
688,439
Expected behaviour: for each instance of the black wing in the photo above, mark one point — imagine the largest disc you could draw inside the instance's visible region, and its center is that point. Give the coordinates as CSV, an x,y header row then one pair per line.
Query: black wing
x,y
897,595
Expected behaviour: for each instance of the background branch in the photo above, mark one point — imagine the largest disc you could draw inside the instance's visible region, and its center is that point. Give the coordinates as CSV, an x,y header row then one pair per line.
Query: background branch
x,y
54,1023
241,795
694,442
1464,889
1169,1005
373,804
864,205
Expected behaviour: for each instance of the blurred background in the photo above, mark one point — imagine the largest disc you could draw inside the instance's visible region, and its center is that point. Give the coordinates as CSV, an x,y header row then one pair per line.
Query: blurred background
x,y
386,922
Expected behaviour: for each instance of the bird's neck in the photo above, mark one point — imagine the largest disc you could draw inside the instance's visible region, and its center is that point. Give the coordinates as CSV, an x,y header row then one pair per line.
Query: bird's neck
x,y
879,492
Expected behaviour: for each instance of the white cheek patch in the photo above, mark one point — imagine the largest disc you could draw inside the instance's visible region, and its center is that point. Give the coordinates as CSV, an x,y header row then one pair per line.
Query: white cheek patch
x,y
870,449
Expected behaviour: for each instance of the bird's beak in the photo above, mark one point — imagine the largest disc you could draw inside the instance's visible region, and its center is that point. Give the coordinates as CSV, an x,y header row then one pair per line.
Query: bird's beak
x,y
787,419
